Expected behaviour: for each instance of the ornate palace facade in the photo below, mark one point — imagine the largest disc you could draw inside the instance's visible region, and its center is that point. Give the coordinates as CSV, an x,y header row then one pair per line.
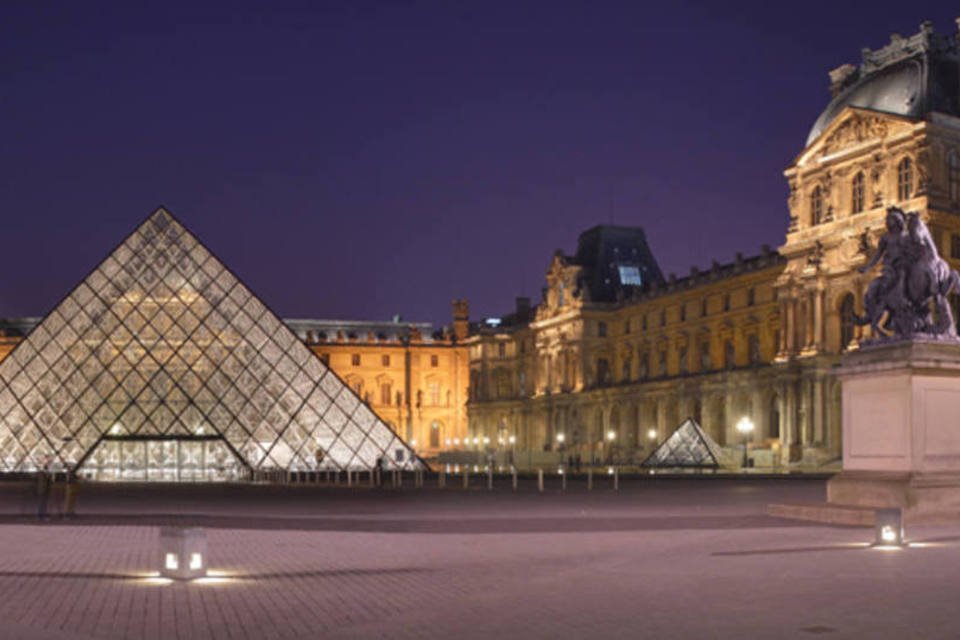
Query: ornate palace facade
x,y
615,356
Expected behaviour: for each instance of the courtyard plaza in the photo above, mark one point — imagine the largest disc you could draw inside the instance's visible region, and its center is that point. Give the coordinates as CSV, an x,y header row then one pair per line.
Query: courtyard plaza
x,y
663,557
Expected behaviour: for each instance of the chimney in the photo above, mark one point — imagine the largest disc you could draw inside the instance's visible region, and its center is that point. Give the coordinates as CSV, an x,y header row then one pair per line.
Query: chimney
x,y
461,319
523,307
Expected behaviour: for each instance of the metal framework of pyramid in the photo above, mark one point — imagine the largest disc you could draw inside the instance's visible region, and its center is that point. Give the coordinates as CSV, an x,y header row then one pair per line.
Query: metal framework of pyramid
x,y
687,447
162,365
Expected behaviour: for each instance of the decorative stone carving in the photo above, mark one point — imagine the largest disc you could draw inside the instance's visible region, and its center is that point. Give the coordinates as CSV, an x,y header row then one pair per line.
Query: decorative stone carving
x,y
856,130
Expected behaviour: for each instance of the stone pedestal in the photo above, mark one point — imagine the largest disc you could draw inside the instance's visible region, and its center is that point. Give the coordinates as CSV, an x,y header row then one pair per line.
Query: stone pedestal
x,y
901,429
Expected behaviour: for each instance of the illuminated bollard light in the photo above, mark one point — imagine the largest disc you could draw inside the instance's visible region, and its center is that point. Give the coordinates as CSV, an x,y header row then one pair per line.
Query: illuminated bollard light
x,y
888,528
183,553
540,480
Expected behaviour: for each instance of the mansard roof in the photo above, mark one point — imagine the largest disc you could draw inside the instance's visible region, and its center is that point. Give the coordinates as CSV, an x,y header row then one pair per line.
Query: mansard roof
x,y
909,77
615,260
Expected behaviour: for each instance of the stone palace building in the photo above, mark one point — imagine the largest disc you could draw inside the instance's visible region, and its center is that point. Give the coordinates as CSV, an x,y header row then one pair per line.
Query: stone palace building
x,y
616,356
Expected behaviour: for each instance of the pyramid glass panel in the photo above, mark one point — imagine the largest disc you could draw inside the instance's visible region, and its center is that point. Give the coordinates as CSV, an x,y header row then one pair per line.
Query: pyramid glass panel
x,y
162,366
687,447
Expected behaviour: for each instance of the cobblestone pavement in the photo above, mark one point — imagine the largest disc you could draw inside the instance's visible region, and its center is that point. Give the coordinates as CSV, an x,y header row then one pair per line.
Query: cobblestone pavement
x,y
674,559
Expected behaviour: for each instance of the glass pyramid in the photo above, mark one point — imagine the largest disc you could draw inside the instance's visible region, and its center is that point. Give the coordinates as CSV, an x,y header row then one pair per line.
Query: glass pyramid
x,y
687,447
162,365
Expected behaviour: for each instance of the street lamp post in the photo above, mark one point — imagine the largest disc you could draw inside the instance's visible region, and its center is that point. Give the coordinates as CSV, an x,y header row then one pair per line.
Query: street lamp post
x,y
745,427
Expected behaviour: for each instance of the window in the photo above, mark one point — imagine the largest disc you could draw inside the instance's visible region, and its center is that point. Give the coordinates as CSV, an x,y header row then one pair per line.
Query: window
x,y
601,329
726,302
355,359
501,351
626,327
434,389
386,393
683,313
703,308
644,371
753,348
953,176
751,297
662,364
729,355
643,323
816,206
434,361
603,371
705,363
385,360
521,382
905,179
683,360
955,246
846,320
663,317
630,276
434,435
857,193
626,370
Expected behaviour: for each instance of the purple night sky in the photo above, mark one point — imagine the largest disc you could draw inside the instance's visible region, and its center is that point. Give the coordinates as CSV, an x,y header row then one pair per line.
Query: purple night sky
x,y
358,159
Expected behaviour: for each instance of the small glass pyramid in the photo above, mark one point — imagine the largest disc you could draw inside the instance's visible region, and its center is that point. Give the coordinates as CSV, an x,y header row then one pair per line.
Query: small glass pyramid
x,y
162,365
687,447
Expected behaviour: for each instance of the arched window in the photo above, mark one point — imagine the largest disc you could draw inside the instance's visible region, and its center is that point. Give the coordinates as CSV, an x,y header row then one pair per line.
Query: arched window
x,y
435,435
857,193
816,206
953,176
775,417
905,179
846,321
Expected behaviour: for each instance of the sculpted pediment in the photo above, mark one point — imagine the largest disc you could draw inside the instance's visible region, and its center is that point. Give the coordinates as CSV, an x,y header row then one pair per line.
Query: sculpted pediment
x,y
854,128
562,292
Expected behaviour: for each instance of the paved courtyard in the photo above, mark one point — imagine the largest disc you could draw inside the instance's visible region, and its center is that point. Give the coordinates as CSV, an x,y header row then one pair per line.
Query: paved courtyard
x,y
659,559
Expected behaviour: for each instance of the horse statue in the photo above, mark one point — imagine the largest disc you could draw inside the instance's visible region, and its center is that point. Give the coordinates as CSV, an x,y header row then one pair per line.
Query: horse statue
x,y
914,282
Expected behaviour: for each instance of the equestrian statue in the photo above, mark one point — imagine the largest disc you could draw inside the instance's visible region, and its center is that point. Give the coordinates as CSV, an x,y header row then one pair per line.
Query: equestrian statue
x,y
909,297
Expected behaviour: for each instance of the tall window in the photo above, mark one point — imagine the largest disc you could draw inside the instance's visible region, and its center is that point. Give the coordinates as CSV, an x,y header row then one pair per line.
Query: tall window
x,y
905,179
626,326
683,312
816,206
729,356
662,364
385,360
644,367
434,390
434,435
601,329
705,356
953,176
501,350
386,393
603,371
355,359
846,321
703,307
857,192
683,360
753,347
434,361
751,297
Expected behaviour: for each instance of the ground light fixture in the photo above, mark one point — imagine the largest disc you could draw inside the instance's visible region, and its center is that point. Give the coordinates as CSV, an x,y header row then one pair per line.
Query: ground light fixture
x,y
888,527
561,438
611,435
183,552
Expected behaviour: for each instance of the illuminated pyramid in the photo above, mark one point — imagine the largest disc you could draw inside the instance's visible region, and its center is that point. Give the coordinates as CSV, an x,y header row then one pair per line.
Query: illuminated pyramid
x,y
162,365
687,447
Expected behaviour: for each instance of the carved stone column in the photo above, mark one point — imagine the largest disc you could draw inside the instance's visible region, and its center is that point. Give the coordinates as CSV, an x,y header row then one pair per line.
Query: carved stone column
x,y
818,320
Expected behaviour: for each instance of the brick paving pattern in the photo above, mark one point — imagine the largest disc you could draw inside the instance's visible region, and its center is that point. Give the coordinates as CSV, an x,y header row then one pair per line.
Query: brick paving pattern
x,y
672,560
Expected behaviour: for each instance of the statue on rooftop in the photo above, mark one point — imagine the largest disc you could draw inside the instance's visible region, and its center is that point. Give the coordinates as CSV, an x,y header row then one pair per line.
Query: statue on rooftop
x,y
909,297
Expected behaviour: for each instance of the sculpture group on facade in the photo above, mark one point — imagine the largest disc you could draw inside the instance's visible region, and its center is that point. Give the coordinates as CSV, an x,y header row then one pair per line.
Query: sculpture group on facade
x,y
912,288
